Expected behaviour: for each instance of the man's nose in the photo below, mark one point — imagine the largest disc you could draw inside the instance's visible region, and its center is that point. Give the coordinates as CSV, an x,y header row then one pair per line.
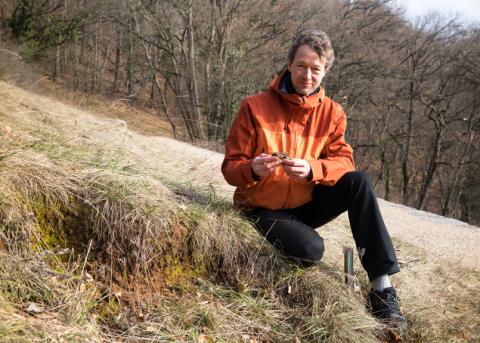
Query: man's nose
x,y
307,73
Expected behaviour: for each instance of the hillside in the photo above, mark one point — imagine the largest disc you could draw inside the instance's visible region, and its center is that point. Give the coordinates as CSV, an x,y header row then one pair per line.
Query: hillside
x,y
41,137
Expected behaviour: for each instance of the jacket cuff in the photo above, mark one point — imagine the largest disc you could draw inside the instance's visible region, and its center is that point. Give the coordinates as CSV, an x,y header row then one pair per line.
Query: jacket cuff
x,y
317,170
247,173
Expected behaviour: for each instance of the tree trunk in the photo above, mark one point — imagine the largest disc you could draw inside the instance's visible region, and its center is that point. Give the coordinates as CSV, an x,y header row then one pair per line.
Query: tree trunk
x,y
82,63
2,14
162,91
56,67
102,68
65,45
458,171
193,76
432,168
405,168
130,58
117,62
76,76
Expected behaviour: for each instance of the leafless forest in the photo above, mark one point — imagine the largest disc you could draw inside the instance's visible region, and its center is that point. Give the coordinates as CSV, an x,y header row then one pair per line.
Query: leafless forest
x,y
411,91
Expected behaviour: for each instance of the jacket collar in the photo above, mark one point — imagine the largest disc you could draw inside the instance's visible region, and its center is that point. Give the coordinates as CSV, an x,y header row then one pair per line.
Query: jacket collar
x,y
302,101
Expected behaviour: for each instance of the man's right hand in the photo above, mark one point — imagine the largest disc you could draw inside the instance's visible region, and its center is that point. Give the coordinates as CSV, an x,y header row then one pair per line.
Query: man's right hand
x,y
264,164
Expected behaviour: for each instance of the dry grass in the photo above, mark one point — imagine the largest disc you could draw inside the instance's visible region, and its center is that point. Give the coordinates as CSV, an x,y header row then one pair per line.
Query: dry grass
x,y
183,239
66,301
450,311
202,308
44,203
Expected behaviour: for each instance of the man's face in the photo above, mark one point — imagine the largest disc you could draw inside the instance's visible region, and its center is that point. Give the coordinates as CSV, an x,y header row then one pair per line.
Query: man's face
x,y
307,69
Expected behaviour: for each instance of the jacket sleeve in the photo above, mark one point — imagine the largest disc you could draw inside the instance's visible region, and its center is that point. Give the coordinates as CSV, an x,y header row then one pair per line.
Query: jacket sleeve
x,y
337,156
239,149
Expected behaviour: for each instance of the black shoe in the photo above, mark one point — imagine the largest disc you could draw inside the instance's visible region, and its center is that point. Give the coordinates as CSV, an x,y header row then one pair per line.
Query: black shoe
x,y
384,306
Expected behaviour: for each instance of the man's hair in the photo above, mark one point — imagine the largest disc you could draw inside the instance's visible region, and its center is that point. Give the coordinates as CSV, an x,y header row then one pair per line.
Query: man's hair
x,y
318,41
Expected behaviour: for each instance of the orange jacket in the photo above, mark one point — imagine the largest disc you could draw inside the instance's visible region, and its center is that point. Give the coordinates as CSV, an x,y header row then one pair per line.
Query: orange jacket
x,y
307,127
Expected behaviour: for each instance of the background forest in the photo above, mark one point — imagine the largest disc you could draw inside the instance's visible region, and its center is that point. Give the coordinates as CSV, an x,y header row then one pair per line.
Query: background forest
x,y
411,91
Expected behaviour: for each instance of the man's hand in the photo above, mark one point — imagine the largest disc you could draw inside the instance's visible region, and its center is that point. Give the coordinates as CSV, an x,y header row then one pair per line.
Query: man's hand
x,y
297,168
264,164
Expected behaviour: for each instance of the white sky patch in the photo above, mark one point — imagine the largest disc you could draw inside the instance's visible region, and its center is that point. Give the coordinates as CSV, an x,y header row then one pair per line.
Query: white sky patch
x,y
469,10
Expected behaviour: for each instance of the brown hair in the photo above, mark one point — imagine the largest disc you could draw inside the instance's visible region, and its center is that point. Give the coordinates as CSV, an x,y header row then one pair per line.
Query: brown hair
x,y
318,41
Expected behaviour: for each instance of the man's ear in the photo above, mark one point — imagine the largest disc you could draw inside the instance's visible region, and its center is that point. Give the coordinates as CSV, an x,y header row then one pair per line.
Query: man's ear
x,y
289,65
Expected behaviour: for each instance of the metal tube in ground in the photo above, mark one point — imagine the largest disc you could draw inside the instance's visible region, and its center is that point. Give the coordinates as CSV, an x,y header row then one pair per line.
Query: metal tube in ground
x,y
348,267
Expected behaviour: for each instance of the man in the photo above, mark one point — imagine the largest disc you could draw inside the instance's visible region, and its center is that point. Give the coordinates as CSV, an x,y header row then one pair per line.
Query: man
x,y
287,197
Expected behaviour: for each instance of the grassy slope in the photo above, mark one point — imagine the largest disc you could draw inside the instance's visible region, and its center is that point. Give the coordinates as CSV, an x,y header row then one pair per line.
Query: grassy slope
x,y
129,253
113,245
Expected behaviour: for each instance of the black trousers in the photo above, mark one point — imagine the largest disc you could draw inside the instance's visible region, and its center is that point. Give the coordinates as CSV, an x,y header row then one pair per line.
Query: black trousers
x,y
292,231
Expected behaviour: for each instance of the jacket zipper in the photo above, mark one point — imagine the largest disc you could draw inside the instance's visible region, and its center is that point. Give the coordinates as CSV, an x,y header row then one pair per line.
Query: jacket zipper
x,y
295,139
290,180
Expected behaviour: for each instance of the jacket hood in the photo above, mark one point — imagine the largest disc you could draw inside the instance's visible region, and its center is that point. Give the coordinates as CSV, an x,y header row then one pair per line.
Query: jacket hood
x,y
302,101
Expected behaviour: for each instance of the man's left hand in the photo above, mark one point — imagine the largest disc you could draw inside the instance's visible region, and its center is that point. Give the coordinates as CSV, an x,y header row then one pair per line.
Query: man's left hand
x,y
296,168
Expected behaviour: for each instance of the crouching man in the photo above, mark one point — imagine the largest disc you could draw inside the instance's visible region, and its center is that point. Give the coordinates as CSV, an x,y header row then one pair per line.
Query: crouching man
x,y
286,154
